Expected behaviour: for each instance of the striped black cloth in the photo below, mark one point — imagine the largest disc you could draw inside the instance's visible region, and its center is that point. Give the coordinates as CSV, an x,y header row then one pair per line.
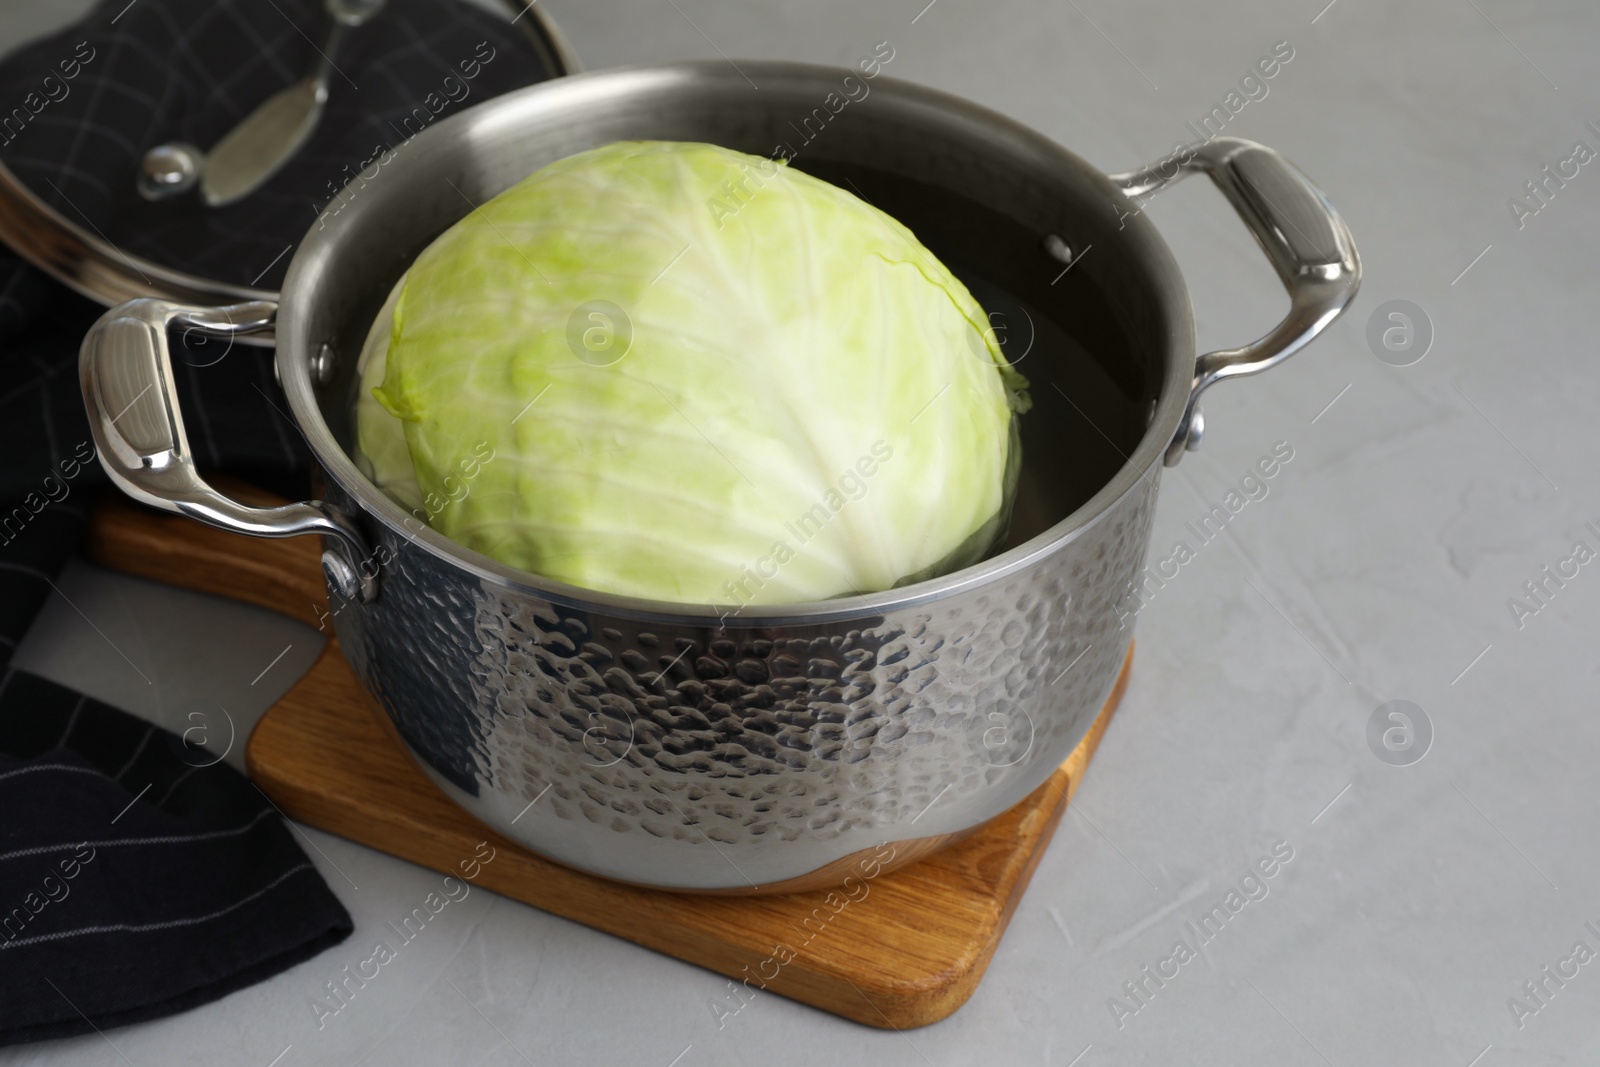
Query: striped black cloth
x,y
137,876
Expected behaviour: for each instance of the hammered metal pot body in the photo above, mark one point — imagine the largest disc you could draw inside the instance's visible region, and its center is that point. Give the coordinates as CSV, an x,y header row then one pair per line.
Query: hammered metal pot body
x,y
733,756
685,747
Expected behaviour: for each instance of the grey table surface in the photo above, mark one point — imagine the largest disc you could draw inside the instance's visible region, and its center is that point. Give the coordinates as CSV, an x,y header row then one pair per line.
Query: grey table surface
x,y
1381,566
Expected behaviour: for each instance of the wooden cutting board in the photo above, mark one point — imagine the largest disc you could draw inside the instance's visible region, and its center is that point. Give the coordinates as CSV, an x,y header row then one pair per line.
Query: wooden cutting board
x,y
902,949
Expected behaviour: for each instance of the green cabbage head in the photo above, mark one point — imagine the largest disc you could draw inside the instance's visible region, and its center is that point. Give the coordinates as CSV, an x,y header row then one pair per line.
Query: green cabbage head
x,y
674,371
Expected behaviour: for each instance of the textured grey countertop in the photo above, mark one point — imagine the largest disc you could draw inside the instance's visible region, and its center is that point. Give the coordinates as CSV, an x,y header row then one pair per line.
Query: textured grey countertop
x,y
1420,897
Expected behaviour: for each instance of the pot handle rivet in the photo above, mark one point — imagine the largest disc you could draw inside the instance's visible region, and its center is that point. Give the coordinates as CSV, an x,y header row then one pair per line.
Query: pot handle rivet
x,y
344,581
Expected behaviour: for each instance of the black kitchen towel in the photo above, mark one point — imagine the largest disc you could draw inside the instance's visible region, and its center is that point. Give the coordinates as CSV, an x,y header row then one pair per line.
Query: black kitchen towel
x,y
138,875
197,888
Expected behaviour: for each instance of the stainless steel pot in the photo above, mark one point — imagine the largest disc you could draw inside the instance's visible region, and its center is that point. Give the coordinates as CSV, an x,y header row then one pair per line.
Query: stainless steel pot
x,y
671,744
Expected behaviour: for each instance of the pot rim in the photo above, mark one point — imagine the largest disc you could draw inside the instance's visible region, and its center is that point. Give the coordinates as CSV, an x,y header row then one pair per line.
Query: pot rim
x,y
1154,258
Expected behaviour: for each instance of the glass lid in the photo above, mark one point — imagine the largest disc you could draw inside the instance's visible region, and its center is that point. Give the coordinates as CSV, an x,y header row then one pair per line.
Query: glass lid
x,y
180,148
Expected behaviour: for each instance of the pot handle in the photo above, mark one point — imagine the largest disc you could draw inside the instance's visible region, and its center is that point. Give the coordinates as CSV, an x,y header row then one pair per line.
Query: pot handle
x,y
1308,243
125,369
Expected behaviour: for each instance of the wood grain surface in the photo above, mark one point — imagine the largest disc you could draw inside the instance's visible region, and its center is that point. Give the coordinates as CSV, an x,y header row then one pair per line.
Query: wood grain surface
x,y
894,949
282,575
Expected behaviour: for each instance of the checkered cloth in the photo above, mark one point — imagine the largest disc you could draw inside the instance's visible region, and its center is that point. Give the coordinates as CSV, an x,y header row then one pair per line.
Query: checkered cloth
x,y
195,887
